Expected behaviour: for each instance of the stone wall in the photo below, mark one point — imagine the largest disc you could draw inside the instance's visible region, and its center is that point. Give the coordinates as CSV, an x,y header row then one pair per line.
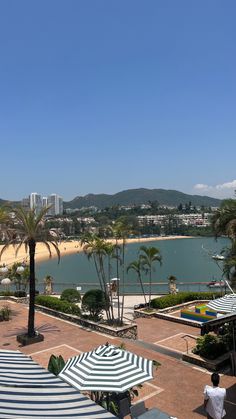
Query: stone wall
x,y
126,331
209,364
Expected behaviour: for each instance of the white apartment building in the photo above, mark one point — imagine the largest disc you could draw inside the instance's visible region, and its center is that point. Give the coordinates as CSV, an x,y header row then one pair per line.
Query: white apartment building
x,y
45,201
186,219
56,205
36,202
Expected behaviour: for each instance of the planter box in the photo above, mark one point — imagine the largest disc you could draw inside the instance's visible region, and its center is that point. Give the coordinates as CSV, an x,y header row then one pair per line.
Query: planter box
x,y
209,364
126,331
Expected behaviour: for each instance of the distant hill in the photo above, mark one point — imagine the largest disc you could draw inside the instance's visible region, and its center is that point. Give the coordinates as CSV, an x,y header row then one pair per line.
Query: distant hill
x,y
141,196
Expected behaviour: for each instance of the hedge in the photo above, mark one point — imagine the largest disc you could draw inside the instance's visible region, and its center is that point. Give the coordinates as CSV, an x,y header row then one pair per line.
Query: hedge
x,y
56,304
182,297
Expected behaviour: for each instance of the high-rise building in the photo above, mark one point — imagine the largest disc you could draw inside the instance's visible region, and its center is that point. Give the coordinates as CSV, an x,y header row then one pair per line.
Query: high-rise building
x,y
56,203
25,203
35,202
44,201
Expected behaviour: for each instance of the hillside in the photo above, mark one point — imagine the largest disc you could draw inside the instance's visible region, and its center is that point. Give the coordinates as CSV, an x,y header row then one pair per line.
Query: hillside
x,y
141,196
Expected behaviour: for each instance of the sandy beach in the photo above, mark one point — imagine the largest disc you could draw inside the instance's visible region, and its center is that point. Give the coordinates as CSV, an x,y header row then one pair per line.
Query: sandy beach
x,y
66,248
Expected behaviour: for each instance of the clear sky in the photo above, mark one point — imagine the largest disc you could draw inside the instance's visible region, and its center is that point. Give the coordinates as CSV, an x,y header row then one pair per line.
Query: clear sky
x,y
98,96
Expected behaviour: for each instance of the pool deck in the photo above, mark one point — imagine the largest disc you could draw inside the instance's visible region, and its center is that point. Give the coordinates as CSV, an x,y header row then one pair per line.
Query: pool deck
x,y
177,387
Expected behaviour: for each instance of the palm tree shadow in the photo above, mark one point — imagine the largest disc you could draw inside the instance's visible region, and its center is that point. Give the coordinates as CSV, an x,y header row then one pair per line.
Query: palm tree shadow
x,y
44,328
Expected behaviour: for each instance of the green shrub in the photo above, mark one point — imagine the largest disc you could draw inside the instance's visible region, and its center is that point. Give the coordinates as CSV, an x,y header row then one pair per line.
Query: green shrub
x,y
20,294
95,302
56,364
71,295
7,293
5,313
210,346
182,297
58,305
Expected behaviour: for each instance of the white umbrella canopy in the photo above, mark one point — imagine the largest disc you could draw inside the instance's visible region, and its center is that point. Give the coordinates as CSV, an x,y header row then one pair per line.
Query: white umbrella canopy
x,y
226,304
108,369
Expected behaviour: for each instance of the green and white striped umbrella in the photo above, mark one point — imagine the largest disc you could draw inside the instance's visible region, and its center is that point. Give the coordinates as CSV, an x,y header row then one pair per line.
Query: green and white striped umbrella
x,y
226,304
107,368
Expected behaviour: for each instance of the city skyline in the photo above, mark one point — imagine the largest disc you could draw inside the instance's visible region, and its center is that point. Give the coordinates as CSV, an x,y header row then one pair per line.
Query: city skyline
x,y
100,97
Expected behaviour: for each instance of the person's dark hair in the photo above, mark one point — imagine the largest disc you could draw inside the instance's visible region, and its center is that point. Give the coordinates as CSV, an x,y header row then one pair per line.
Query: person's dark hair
x,y
215,378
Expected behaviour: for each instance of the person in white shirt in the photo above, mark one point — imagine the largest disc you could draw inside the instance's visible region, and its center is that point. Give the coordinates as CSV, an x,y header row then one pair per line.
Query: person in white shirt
x,y
214,397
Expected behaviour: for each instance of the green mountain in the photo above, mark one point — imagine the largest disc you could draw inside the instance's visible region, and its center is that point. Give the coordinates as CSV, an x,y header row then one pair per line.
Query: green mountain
x,y
141,196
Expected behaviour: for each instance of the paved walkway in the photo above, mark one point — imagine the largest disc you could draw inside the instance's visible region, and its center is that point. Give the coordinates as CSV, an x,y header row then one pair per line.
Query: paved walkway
x,y
177,386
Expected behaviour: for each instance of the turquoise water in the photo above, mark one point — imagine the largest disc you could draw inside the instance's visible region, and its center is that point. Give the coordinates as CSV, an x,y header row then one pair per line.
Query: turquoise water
x,y
187,259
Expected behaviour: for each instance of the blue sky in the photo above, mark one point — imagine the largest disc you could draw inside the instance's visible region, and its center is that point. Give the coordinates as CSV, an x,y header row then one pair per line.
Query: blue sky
x,y
98,96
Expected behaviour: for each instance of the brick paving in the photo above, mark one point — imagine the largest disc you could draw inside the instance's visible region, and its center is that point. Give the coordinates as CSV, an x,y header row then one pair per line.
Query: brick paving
x,y
177,386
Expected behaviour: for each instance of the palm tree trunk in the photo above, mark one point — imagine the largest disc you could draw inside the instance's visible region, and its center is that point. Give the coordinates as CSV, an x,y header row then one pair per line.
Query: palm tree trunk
x,y
123,280
150,286
117,276
142,287
31,331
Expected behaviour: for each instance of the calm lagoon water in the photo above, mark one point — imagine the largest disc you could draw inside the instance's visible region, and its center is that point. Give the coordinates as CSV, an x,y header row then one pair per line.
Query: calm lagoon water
x,y
188,260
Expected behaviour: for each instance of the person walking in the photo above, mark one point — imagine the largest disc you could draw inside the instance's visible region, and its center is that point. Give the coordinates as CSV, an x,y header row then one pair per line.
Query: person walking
x,y
214,397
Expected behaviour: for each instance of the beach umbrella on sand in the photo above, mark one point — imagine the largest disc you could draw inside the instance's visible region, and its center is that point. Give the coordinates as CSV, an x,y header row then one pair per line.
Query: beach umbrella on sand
x,y
108,369
226,304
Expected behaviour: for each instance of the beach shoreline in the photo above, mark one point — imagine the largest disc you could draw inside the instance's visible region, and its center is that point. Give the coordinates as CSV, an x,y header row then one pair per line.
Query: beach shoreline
x,y
68,248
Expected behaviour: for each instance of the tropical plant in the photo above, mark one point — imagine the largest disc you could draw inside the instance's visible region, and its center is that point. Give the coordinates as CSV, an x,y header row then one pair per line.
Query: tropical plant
x,y
121,230
136,266
224,223
21,280
210,346
95,301
26,229
224,219
5,313
70,295
56,364
96,249
148,256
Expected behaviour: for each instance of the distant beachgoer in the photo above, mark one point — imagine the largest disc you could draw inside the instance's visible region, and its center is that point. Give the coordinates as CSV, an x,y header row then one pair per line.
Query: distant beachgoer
x,y
214,397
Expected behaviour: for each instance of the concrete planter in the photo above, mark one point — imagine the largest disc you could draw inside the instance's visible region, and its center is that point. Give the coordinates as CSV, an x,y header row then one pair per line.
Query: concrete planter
x,y
209,364
26,340
126,331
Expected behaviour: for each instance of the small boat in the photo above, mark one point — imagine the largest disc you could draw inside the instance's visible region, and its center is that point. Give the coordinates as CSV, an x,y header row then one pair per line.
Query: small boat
x,y
218,257
216,284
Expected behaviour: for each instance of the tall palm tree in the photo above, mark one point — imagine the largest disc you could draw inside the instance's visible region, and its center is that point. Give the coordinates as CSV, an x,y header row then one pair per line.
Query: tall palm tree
x,y
96,248
27,229
224,219
148,256
136,266
224,223
121,231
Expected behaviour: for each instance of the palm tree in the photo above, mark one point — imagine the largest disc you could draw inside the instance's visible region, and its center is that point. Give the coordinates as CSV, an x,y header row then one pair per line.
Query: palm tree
x,y
136,266
224,223
27,229
149,256
224,219
121,231
96,248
